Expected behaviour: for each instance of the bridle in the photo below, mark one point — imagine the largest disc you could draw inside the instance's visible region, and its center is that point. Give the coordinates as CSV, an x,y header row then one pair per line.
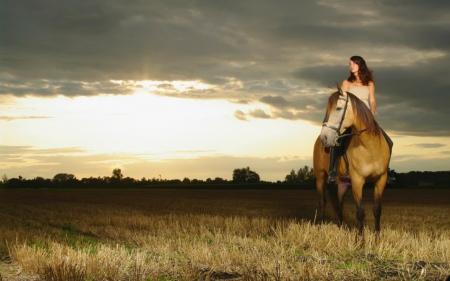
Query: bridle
x,y
338,129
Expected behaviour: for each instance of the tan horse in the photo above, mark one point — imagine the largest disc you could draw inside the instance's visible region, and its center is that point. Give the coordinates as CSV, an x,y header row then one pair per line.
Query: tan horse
x,y
368,156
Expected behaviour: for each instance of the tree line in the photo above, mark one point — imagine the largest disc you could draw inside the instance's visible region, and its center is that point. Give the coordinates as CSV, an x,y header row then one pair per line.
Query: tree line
x,y
417,178
303,176
117,179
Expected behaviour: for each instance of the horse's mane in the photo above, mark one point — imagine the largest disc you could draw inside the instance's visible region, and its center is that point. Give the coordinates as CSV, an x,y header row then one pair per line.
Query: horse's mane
x,y
362,112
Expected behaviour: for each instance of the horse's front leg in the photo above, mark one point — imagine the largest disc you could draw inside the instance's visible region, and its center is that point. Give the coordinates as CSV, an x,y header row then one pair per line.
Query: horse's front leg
x,y
320,185
378,193
357,188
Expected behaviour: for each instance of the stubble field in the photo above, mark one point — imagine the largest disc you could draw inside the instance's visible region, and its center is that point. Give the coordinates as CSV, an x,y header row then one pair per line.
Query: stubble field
x,y
218,235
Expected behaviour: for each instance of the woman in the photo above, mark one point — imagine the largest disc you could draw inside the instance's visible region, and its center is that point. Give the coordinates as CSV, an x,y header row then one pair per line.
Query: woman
x,y
361,84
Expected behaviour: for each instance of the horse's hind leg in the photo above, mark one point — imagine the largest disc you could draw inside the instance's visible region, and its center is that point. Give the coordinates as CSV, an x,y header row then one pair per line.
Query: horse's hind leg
x,y
332,190
342,190
337,193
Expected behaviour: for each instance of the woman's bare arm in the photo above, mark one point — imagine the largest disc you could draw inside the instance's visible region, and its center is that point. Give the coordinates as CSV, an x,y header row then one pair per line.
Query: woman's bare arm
x,y
372,100
345,85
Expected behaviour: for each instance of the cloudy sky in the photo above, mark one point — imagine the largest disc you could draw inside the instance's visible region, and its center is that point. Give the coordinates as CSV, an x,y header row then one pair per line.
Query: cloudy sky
x,y
198,88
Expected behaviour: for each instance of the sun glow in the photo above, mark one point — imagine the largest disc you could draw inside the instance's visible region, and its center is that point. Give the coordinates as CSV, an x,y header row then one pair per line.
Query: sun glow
x,y
132,130
153,126
149,126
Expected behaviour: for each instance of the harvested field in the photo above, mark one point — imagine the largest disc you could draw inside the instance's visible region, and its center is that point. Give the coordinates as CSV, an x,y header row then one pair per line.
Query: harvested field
x,y
223,234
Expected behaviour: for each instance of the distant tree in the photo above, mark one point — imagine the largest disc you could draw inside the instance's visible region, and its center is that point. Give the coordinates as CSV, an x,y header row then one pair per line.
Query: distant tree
x,y
128,182
252,176
186,181
107,180
14,183
305,174
245,175
395,178
117,174
239,175
40,182
63,178
218,180
4,179
292,177
154,180
93,182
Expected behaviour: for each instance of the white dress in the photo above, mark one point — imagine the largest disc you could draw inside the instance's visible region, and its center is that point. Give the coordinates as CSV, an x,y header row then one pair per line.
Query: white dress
x,y
362,92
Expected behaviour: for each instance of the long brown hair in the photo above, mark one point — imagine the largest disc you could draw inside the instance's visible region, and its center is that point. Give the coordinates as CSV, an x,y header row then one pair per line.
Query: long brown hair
x,y
365,74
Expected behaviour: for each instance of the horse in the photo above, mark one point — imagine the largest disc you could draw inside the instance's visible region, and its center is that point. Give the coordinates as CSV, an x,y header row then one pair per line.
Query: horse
x,y
366,159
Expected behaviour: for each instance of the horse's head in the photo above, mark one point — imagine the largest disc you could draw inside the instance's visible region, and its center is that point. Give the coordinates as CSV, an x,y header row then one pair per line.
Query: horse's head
x,y
338,118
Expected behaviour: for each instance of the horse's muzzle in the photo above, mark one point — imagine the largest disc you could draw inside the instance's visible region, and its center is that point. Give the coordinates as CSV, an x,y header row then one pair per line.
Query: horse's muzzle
x,y
327,140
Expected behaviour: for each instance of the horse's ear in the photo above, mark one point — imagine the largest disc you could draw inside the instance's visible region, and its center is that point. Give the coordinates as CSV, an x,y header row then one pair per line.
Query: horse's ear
x,y
331,90
341,92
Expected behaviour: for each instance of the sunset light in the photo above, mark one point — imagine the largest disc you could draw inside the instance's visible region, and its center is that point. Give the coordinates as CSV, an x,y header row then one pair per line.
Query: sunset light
x,y
197,91
224,140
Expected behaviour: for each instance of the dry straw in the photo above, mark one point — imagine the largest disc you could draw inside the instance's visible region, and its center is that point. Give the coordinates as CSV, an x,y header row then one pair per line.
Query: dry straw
x,y
198,239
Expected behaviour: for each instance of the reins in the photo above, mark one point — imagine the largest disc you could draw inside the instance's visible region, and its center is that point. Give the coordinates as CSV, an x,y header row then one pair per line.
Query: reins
x,y
338,136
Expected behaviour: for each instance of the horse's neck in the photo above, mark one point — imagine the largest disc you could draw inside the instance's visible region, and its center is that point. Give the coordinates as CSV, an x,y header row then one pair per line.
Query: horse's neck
x,y
368,149
364,138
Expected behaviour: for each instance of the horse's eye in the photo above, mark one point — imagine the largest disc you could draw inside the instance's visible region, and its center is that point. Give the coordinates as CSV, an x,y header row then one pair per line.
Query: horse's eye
x,y
338,108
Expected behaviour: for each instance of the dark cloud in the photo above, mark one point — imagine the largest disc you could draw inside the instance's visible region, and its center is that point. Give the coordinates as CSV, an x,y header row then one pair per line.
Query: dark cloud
x,y
428,145
259,113
283,53
48,88
166,86
277,101
286,114
242,101
240,115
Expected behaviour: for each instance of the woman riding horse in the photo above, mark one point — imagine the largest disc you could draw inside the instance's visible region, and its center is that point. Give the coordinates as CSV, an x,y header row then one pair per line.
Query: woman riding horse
x,y
366,158
360,83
